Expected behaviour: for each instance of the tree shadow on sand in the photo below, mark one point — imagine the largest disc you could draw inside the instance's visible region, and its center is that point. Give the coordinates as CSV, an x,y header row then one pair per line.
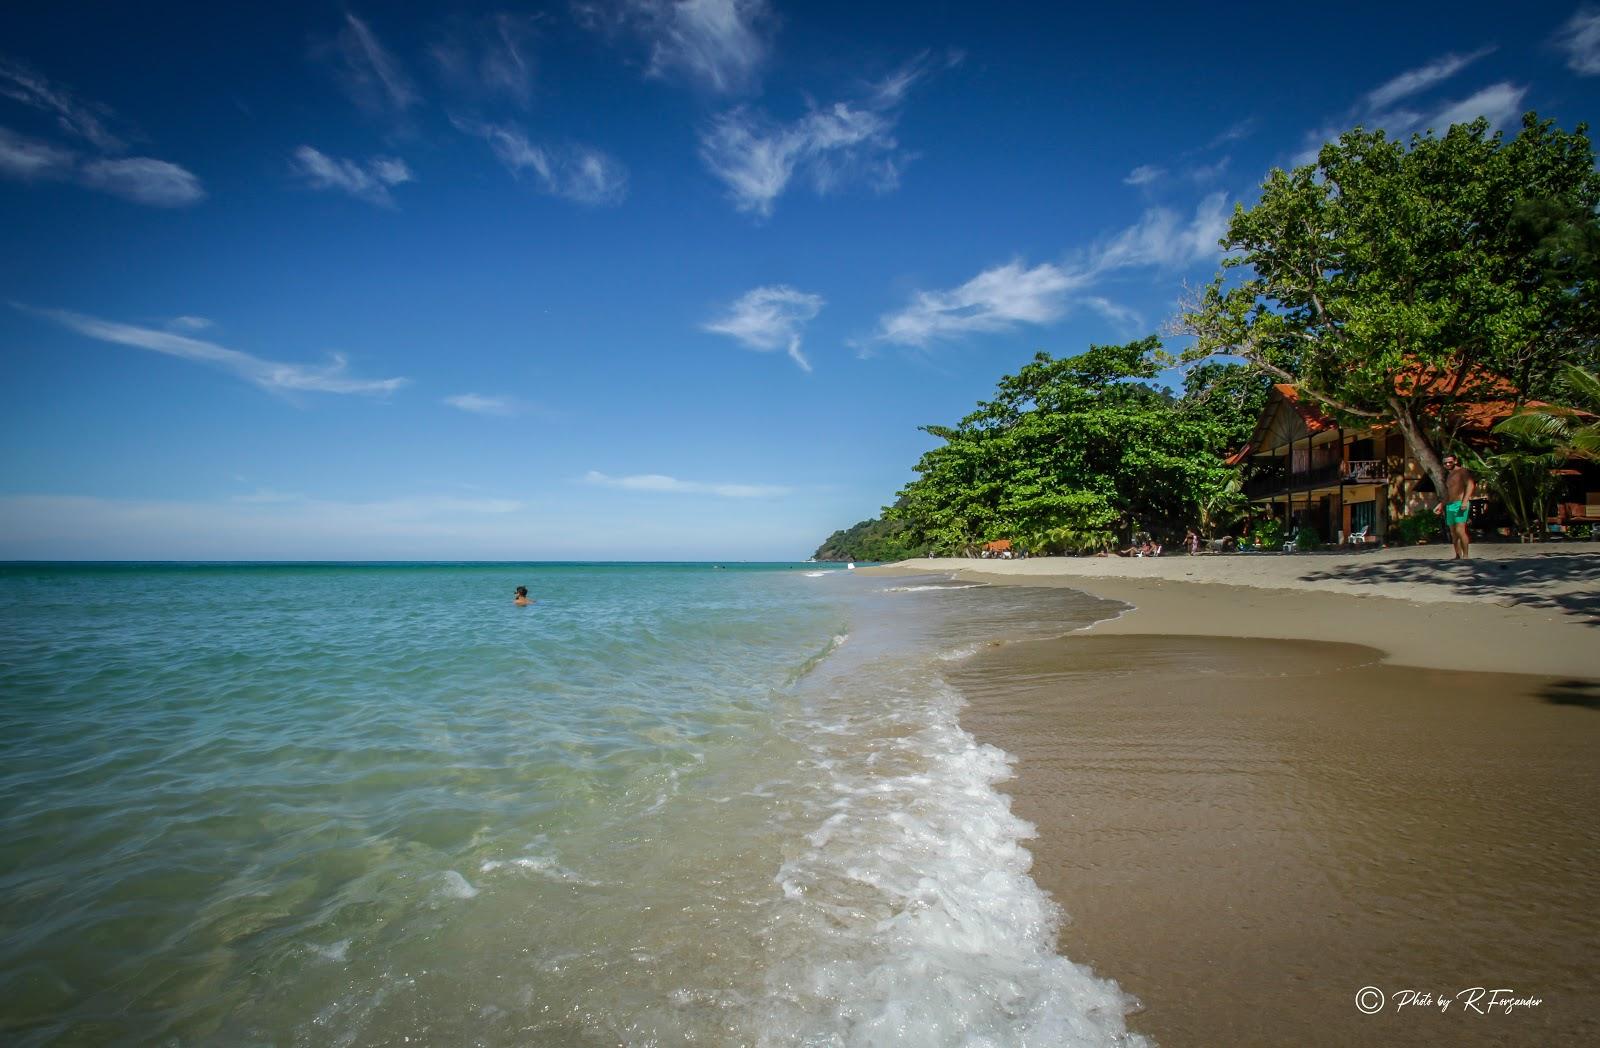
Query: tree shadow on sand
x,y
1521,582
1581,693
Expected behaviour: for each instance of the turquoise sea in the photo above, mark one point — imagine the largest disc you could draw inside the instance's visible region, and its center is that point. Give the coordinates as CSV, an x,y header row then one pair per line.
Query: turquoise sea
x,y
378,804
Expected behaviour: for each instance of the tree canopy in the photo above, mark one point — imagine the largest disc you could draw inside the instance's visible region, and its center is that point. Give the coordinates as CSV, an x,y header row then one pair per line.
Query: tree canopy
x,y
1387,281
876,539
1074,454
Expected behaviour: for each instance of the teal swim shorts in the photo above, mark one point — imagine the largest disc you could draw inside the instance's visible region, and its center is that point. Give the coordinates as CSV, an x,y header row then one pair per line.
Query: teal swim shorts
x,y
1456,513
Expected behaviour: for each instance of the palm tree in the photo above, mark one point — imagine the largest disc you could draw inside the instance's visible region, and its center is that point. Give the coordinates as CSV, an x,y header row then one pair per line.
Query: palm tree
x,y
1522,475
1539,441
1573,432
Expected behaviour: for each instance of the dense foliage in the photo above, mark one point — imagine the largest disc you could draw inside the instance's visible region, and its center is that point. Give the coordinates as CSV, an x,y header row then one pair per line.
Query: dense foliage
x,y
1074,455
1388,282
1521,471
872,540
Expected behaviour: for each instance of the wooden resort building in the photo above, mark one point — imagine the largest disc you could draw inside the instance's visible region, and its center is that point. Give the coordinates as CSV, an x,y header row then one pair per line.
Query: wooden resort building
x,y
1305,468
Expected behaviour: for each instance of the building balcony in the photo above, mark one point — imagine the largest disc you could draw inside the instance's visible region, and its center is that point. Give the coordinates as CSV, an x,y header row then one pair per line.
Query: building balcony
x,y
1366,471
1279,482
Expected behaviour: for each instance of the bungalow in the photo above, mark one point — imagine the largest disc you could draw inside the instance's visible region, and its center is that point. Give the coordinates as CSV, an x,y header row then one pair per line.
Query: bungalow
x,y
1309,470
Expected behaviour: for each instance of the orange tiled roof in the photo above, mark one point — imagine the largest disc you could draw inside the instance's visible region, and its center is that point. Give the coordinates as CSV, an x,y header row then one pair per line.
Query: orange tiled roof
x,y
1477,416
1315,418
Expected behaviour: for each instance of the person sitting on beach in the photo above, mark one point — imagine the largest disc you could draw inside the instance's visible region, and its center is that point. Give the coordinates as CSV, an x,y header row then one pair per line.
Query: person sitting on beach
x,y
522,597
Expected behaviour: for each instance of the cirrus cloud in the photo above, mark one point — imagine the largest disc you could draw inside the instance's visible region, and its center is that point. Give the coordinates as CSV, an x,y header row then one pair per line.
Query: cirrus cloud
x,y
272,375
1580,39
852,141
370,182
580,173
720,45
479,404
144,180
770,318
657,482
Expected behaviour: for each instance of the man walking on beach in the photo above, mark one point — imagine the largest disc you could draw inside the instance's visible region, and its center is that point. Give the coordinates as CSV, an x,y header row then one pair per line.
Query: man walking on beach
x,y
1459,487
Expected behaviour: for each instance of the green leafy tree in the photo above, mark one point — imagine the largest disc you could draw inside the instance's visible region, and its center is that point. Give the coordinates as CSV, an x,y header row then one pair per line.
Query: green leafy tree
x,y
1231,395
1387,281
1070,454
877,539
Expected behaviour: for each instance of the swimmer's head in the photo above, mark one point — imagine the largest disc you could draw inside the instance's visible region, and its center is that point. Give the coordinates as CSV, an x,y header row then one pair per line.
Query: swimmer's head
x,y
522,591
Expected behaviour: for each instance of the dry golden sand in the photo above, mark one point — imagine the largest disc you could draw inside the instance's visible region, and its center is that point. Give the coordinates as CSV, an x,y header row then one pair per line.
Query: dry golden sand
x,y
1256,799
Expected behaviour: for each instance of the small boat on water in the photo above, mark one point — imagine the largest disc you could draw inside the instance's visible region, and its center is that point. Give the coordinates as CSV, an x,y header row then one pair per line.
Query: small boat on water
x,y
850,566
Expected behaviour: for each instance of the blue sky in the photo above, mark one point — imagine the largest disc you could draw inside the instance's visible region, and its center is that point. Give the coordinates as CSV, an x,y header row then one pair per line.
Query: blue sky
x,y
626,280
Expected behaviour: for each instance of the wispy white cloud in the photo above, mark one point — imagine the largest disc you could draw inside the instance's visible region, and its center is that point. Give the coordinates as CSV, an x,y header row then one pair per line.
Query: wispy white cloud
x,y
719,45
144,180
1415,81
370,74
370,182
1395,105
658,482
1143,175
27,159
579,173
1235,132
190,323
1122,316
83,120
1209,172
1005,297
1163,237
770,318
268,374
757,157
1500,104
995,300
1580,39
479,404
491,56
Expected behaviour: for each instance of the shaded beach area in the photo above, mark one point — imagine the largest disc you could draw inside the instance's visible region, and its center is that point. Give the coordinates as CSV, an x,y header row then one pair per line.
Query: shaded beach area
x,y
1276,781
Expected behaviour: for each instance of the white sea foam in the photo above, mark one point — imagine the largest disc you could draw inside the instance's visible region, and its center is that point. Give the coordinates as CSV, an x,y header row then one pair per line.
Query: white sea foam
x,y
934,586
456,886
547,866
964,651
337,952
923,926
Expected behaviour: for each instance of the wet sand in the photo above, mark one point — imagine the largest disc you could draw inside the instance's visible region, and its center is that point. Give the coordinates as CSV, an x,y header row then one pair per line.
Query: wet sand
x,y
1245,833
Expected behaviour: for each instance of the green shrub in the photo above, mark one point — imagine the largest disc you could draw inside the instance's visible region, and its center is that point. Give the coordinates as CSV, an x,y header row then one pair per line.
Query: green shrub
x,y
1268,533
1416,526
1307,538
1580,531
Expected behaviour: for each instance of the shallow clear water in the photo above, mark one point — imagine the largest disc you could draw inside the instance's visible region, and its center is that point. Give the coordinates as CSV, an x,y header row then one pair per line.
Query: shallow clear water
x,y
667,804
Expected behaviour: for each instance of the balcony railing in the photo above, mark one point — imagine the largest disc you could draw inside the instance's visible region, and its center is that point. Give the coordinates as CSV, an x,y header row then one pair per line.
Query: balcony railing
x,y
1365,471
1356,471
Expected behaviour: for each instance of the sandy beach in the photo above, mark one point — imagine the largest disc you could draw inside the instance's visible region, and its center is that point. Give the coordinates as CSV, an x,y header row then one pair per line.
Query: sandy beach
x,y
1280,780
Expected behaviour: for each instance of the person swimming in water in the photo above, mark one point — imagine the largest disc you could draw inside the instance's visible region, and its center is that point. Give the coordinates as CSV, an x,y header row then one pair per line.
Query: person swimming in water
x,y
522,596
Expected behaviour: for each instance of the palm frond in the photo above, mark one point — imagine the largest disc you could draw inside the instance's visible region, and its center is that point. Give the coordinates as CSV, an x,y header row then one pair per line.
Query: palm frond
x,y
1585,386
1536,425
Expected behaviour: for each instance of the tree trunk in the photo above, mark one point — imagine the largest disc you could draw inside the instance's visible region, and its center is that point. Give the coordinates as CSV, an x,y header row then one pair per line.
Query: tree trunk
x,y
1418,444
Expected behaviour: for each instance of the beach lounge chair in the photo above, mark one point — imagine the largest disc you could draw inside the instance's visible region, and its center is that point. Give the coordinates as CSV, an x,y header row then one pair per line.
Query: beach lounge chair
x,y
1359,538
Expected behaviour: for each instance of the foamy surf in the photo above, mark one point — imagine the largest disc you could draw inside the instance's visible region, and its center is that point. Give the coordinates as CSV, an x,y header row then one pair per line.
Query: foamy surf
x,y
934,586
911,887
